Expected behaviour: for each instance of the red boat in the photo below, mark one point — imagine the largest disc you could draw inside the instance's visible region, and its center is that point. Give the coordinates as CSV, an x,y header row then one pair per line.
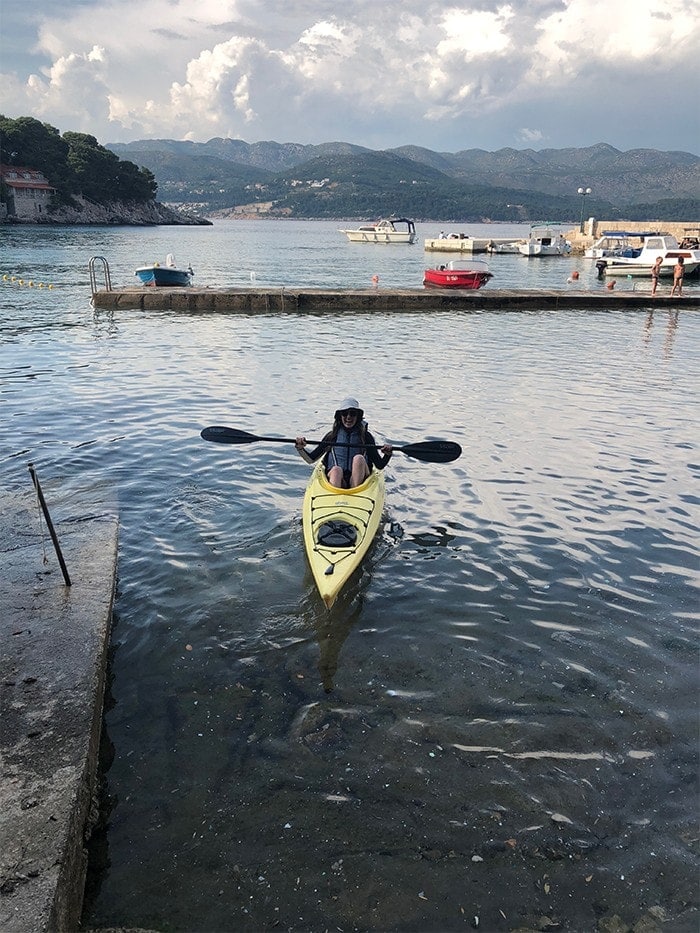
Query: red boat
x,y
458,274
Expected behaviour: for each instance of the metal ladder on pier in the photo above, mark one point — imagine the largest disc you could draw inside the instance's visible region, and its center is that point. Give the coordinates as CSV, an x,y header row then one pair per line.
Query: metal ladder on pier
x,y
93,274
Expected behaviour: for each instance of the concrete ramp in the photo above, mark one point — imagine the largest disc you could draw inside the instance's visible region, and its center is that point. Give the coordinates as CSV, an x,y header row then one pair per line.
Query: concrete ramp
x,y
53,646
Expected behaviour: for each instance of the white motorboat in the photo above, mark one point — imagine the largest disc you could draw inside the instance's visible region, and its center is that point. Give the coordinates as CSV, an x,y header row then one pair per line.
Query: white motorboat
x,y
617,243
663,245
510,246
384,231
543,241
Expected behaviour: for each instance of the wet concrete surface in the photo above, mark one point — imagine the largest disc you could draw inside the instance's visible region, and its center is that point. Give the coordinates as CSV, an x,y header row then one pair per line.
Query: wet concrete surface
x,y
320,300
53,645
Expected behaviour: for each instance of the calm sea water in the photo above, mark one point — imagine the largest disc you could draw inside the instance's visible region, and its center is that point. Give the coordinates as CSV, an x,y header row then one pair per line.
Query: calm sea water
x,y
498,719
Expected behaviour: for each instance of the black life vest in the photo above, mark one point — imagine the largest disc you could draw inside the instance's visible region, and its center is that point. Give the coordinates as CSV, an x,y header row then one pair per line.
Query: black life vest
x,y
342,456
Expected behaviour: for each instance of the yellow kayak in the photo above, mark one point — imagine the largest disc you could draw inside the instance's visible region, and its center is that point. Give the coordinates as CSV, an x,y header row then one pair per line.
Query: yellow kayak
x,y
339,526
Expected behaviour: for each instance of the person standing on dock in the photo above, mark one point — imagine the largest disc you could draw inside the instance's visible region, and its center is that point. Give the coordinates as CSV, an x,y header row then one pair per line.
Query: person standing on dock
x,y
678,271
655,273
348,464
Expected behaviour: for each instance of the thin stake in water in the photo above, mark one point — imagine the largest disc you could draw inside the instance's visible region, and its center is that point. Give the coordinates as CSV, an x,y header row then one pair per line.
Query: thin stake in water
x,y
49,523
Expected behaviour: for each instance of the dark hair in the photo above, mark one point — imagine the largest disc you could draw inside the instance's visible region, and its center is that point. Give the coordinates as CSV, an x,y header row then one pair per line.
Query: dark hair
x,y
337,424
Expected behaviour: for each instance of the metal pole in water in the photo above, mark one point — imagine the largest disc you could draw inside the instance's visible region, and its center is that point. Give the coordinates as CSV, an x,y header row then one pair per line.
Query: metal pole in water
x,y
49,523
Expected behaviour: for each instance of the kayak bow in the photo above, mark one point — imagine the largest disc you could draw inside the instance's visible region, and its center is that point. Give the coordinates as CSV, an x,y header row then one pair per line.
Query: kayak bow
x,y
339,526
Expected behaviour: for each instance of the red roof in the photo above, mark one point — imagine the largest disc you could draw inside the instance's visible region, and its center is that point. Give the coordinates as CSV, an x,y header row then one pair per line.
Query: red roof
x,y
25,177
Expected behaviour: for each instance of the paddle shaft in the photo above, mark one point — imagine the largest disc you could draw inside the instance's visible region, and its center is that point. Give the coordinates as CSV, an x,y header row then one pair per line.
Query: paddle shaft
x,y
223,435
293,440
429,451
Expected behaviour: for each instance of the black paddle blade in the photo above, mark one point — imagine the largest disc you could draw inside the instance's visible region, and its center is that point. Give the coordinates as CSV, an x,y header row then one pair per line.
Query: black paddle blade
x,y
222,435
433,451
428,451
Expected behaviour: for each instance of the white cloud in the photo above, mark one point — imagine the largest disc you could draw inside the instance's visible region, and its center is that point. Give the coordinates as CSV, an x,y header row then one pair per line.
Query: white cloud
x,y
530,137
470,34
60,94
629,34
446,76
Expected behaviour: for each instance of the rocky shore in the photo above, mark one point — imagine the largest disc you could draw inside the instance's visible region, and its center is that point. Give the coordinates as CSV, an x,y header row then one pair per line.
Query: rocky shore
x,y
126,213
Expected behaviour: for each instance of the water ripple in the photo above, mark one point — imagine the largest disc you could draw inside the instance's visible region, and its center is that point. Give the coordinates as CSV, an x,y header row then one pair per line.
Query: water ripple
x,y
520,644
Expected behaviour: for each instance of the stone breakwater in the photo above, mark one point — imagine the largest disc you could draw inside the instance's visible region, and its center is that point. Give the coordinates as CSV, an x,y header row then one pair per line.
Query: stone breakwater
x,y
53,670
593,229
354,301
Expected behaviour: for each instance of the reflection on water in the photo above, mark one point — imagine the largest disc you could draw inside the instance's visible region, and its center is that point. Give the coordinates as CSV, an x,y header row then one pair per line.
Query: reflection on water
x,y
497,719
671,324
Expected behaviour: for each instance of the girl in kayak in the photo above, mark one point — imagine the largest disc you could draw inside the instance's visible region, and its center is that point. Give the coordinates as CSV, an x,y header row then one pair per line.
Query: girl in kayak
x,y
348,465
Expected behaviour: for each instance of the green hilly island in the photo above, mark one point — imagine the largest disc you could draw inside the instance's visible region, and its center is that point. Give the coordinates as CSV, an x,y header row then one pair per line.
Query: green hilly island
x,y
229,177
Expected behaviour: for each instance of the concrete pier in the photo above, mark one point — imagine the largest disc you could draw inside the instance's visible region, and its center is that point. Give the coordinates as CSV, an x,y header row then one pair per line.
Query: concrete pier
x,y
468,245
354,301
53,646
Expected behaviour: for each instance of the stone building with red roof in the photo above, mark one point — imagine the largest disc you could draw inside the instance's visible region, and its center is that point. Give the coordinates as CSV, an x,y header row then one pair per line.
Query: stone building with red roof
x,y
27,192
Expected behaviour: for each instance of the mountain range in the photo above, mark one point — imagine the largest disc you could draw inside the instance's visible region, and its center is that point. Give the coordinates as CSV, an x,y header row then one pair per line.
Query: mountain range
x,y
339,179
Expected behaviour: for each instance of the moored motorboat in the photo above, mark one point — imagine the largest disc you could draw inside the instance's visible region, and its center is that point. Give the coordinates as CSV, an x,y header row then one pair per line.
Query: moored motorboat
x,y
384,231
543,241
508,246
665,246
469,274
168,274
616,243
339,526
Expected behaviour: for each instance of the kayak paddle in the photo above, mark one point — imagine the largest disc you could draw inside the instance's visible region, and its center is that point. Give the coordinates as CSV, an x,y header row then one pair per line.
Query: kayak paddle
x,y
428,451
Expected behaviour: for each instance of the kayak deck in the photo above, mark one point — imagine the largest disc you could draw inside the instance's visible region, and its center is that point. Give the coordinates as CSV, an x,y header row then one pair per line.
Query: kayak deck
x,y
339,527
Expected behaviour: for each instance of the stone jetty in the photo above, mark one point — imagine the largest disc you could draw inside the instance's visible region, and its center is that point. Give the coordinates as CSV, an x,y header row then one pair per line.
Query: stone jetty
x,y
357,301
54,636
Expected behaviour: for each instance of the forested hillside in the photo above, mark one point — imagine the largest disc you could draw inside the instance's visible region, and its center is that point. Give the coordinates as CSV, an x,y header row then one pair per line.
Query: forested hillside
x,y
74,163
342,180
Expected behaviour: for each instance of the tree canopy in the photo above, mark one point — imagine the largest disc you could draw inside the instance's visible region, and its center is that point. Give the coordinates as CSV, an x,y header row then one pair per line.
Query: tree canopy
x,y
74,164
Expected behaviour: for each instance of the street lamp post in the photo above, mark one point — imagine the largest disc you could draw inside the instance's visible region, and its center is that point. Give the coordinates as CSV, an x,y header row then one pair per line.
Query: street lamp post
x,y
583,192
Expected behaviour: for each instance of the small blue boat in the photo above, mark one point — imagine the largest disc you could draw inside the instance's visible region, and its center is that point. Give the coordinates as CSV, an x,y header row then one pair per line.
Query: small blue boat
x,y
167,274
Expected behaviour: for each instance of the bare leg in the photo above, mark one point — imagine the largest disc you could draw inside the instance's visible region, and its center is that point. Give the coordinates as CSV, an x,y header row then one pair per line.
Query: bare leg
x,y
335,477
360,470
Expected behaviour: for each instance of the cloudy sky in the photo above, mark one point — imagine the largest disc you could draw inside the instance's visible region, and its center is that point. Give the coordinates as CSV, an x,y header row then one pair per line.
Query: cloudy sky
x,y
378,73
